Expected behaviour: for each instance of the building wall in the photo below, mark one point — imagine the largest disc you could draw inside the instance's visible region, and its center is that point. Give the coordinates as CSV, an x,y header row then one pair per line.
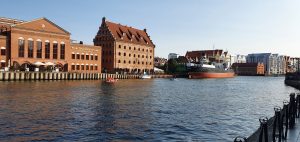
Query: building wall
x,y
27,35
3,52
87,57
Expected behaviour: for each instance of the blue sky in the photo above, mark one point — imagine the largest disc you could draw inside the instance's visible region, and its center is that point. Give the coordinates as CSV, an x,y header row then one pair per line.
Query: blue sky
x,y
239,26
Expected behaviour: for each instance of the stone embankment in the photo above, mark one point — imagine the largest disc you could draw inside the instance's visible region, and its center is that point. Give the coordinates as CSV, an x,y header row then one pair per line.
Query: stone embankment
x,y
15,76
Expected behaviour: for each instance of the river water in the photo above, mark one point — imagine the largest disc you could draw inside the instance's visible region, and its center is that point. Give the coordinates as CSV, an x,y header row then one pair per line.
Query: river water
x,y
138,110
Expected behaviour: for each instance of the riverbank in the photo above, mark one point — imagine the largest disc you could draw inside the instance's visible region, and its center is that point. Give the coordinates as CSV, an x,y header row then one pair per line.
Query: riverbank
x,y
15,76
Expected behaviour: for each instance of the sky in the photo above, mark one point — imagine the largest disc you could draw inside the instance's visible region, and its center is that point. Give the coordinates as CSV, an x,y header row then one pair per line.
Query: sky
x,y
177,26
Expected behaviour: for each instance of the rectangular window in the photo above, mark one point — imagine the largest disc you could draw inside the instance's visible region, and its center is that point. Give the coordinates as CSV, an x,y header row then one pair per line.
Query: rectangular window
x,y
73,67
82,57
62,51
47,50
87,67
96,67
82,67
91,67
73,56
96,58
39,49
3,52
87,57
30,49
55,48
77,67
21,48
92,57
78,56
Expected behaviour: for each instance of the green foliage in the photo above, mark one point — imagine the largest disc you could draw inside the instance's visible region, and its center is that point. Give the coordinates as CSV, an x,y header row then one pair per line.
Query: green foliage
x,y
173,67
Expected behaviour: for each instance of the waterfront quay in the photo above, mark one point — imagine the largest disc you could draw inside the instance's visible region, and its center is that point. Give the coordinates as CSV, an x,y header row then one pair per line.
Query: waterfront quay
x,y
14,76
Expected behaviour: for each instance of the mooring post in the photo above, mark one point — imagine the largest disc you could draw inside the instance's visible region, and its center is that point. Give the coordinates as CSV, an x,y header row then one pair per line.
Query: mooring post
x,y
285,119
263,135
277,125
292,110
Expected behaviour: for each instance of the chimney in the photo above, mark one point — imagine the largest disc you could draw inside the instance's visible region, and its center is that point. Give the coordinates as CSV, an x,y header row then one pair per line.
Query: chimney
x,y
145,30
80,42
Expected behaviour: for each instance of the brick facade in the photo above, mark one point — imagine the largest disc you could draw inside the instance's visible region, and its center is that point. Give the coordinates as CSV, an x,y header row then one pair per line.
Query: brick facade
x,y
24,39
125,49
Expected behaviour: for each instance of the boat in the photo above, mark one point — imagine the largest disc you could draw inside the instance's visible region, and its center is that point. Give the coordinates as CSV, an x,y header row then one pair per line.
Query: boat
x,y
145,76
111,80
209,70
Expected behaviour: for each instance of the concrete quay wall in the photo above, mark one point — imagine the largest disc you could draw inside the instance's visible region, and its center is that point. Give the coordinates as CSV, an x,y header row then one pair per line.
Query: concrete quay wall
x,y
14,76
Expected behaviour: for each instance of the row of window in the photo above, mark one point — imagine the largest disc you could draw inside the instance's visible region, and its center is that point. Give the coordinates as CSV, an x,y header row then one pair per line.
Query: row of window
x,y
84,67
39,49
134,62
134,48
84,57
124,54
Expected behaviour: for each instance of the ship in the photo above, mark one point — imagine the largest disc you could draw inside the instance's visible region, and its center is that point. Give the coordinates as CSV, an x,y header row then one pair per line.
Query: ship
x,y
205,69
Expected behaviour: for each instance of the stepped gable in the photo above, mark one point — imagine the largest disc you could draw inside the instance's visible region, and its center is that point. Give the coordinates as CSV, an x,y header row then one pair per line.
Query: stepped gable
x,y
128,34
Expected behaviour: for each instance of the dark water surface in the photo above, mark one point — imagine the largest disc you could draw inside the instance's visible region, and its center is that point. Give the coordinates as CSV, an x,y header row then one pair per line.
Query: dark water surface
x,y
137,110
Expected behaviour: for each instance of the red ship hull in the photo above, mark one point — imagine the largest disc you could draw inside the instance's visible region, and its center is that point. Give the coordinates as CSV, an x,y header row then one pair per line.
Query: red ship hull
x,y
198,75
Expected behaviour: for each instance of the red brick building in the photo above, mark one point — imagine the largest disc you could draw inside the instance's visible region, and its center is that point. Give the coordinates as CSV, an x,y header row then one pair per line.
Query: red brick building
x,y
42,44
125,49
216,55
249,68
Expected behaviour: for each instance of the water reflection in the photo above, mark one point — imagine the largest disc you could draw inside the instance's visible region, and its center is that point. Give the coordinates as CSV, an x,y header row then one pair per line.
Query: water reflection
x,y
143,110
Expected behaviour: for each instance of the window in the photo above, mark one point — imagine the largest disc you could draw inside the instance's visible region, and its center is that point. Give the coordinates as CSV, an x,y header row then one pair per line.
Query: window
x,y
143,62
21,48
82,56
92,57
142,56
138,56
77,67
30,49
124,47
77,56
133,55
143,50
124,54
87,57
96,67
138,62
133,62
39,49
55,48
62,51
47,50
82,67
3,52
150,63
119,53
150,51
96,57
87,67
119,61
133,48
129,62
73,56
139,49
129,48
73,67
119,46
92,67
129,55
124,62
150,57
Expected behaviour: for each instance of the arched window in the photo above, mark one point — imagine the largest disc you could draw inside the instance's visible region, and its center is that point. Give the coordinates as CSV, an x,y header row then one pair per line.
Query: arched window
x,y
129,55
124,47
47,49
119,61
124,62
30,48
133,55
119,53
129,62
39,49
62,50
21,43
124,54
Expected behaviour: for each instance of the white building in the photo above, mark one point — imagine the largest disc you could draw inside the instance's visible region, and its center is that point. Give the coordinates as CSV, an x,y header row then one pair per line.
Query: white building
x,y
172,56
274,63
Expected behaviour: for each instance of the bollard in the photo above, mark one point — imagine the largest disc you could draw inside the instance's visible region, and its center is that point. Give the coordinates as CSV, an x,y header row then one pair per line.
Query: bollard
x,y
263,135
277,125
298,105
292,111
240,139
285,119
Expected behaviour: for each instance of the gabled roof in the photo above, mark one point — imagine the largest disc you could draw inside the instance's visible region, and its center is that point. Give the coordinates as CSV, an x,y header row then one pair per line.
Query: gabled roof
x,y
128,34
200,53
24,24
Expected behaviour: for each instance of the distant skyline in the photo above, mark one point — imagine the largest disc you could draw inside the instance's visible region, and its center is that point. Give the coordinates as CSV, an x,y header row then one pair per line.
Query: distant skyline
x,y
175,26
